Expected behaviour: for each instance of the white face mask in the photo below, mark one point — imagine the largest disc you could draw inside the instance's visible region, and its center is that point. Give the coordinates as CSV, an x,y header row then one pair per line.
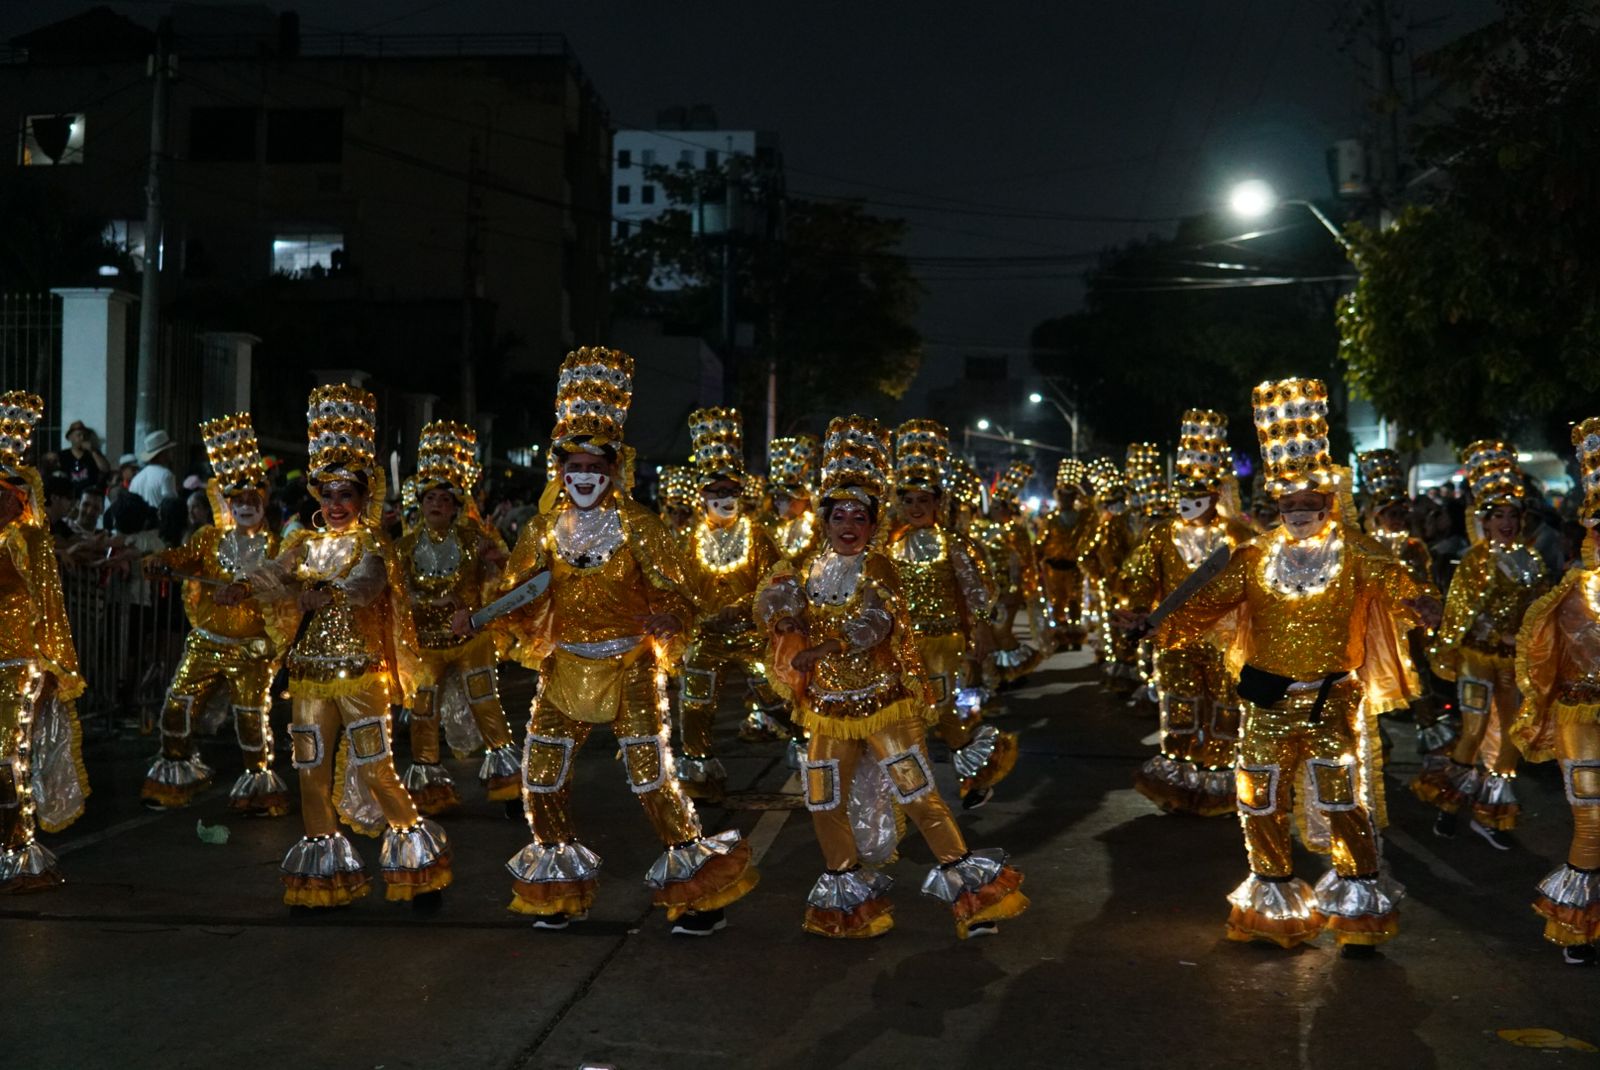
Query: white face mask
x,y
1193,508
585,488
1304,523
246,516
723,508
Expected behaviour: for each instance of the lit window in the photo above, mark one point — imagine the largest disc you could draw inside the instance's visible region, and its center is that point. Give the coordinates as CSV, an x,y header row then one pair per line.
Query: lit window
x,y
624,194
624,159
52,139
647,195
307,255
128,236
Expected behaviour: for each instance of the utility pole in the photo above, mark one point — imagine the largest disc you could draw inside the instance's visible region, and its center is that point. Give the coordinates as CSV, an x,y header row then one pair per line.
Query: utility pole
x,y
472,286
1385,44
730,266
147,401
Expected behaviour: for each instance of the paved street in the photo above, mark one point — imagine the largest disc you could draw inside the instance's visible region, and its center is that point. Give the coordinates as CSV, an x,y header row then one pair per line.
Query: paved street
x,y
164,951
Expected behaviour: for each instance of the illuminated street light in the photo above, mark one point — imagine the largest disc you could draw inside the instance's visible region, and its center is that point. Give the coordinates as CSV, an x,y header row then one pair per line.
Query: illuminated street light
x,y
984,425
1252,199
1035,398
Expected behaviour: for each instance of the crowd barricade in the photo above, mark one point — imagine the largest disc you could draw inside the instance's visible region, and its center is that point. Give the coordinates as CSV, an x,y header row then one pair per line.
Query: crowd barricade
x,y
129,632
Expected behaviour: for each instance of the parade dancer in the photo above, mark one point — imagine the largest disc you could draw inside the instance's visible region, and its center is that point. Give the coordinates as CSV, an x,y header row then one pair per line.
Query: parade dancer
x,y
677,501
791,467
1113,542
844,646
729,554
41,785
354,654
1015,567
602,637
1558,673
1193,773
451,560
1068,533
1316,617
229,647
948,600
1500,575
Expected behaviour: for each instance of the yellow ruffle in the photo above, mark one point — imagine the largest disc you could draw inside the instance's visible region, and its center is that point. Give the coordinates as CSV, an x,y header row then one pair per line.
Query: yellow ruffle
x,y
897,712
338,688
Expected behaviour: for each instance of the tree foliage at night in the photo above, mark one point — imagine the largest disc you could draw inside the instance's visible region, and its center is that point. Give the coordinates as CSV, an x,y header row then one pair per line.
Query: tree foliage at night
x,y
829,295
1479,312
1170,324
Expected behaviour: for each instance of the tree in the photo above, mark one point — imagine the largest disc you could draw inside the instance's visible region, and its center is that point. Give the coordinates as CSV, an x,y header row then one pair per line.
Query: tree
x,y
1478,312
830,297
1196,321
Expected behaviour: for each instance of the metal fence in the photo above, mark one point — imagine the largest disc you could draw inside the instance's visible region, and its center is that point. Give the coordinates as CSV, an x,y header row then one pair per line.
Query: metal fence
x,y
30,354
129,633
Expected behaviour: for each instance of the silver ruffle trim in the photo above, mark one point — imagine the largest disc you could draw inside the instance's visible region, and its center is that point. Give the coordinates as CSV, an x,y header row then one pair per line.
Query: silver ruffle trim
x,y
256,784
414,848
1011,659
1465,779
696,770
1216,783
422,776
179,772
1437,736
1356,897
971,759
1497,790
846,891
794,755
500,762
541,863
683,862
1571,887
32,859
1275,900
968,874
1178,772
321,856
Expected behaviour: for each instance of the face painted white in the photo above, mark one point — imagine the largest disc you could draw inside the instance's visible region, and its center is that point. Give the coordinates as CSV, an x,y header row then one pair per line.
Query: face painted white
x,y
585,488
1305,523
246,516
723,508
1194,508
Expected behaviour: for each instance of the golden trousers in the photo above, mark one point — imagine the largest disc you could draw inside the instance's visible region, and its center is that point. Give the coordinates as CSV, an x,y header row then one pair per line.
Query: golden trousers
x,y
20,688
314,728
941,656
1578,748
1482,765
1063,589
705,665
554,739
1199,709
477,666
1279,747
899,749
243,668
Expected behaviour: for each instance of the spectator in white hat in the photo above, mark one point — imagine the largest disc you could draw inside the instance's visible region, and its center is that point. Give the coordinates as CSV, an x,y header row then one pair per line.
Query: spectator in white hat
x,y
155,481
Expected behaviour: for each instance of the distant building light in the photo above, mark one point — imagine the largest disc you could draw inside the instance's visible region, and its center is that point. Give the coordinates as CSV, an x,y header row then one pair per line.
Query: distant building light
x,y
107,271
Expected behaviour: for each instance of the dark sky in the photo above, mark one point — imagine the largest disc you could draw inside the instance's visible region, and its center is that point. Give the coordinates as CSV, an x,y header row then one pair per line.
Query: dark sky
x,y
1100,119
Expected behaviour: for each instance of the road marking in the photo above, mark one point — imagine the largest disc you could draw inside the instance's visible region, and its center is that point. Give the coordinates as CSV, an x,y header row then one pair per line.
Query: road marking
x,y
771,823
1436,865
107,833
1152,739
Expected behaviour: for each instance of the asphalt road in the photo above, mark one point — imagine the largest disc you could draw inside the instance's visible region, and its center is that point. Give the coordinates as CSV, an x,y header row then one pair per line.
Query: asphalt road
x,y
165,951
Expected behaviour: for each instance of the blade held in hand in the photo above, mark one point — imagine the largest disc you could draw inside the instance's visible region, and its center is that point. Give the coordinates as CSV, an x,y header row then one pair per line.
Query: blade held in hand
x,y
1209,569
515,599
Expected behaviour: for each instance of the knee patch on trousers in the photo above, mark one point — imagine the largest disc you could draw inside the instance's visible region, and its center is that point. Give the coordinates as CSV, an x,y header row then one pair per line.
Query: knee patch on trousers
x,y
822,784
1474,695
1257,787
546,762
909,774
1581,778
1333,784
699,686
1180,714
250,738
177,716
306,749
369,740
646,760
1225,722
425,705
480,685
939,686
10,784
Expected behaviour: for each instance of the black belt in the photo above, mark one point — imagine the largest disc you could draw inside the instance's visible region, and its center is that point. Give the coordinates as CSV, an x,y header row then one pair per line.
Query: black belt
x,y
1263,688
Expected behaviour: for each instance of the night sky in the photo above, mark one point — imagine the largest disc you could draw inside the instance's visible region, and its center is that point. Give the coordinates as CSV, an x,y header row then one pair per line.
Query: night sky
x,y
1001,130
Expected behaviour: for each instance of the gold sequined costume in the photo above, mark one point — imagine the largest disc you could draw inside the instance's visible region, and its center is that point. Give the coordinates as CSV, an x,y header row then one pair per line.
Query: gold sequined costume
x,y
1068,533
228,648
791,467
349,661
948,600
1105,556
611,565
1489,593
1014,564
727,557
868,701
446,571
42,779
1314,623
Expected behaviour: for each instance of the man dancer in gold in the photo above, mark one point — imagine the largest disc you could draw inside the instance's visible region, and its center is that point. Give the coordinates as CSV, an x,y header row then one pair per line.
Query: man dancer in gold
x,y
1069,531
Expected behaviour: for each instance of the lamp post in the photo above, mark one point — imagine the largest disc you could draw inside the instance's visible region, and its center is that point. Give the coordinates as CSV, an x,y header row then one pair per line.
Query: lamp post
x,y
1253,199
1069,415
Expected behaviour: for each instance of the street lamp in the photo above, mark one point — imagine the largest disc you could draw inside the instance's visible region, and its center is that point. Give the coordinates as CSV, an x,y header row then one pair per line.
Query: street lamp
x,y
1070,416
984,425
1253,199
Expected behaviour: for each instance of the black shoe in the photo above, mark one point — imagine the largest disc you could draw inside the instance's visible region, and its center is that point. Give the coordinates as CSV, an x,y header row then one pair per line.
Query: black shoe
x,y
514,811
700,923
1581,955
1358,951
428,902
1445,825
982,928
976,798
556,921
1496,838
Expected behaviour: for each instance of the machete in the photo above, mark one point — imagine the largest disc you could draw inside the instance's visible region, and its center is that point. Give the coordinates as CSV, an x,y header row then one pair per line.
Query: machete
x,y
516,598
1208,570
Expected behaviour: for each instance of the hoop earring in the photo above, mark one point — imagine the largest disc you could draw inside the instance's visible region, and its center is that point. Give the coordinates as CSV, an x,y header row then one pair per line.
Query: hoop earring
x,y
318,520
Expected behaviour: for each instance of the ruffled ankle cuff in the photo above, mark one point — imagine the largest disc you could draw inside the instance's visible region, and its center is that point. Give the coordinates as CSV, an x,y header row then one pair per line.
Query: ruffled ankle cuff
x,y
850,905
28,867
1281,911
259,791
323,871
704,874
556,878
